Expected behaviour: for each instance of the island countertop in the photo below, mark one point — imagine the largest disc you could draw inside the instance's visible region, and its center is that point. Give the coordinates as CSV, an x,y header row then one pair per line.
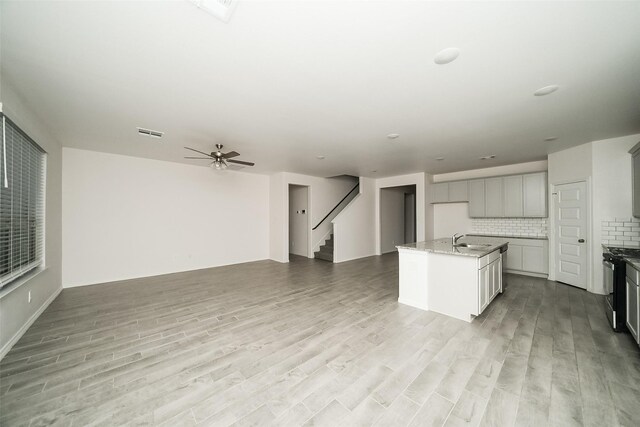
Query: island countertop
x,y
445,246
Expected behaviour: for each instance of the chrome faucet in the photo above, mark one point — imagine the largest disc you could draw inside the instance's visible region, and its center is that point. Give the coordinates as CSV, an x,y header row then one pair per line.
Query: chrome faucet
x,y
455,238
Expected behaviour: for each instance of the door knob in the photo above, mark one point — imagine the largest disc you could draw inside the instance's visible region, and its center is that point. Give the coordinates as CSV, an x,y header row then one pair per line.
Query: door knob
x,y
580,240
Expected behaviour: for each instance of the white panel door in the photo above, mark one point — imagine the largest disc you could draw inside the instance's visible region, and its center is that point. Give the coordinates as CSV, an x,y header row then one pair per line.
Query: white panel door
x,y
570,216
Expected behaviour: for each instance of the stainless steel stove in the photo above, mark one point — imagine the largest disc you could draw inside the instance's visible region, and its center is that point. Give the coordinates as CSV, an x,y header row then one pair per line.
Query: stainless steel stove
x,y
613,276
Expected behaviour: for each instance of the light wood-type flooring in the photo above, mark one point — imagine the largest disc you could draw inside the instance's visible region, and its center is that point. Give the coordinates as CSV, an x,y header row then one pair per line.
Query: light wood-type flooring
x,y
315,343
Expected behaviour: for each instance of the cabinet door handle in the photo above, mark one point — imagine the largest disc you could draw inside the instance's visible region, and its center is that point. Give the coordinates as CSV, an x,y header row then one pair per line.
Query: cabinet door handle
x,y
580,240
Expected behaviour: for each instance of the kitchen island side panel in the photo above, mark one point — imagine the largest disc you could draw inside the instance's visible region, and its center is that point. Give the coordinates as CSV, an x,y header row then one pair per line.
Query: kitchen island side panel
x,y
453,285
413,278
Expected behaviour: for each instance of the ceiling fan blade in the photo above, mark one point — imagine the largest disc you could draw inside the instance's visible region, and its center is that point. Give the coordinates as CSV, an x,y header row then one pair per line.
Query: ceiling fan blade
x,y
201,158
240,162
208,155
231,154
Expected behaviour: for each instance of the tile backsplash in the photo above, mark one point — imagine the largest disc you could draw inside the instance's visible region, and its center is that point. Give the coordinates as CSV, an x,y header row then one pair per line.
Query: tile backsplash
x,y
517,227
624,232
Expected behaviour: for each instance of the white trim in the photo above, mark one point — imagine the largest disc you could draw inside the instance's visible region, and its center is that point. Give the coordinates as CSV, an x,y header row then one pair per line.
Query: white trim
x,y
5,349
19,281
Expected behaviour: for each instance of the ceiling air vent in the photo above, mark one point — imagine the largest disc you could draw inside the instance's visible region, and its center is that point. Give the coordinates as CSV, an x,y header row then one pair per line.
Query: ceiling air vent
x,y
149,132
221,9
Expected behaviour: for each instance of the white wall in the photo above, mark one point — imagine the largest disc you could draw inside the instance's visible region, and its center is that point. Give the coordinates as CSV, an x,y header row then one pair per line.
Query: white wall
x,y
612,192
606,166
420,182
450,218
355,227
392,218
324,194
127,217
16,313
518,168
299,223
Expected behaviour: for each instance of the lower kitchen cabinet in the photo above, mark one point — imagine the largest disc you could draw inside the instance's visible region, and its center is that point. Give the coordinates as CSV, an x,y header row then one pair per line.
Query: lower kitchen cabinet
x,y
633,302
489,280
527,256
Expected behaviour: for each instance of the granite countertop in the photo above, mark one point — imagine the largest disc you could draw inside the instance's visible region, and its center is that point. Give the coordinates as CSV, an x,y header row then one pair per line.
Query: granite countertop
x,y
444,246
510,236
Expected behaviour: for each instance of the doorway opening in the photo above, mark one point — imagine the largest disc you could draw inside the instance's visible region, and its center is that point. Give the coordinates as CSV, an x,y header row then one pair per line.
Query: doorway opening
x,y
397,217
299,220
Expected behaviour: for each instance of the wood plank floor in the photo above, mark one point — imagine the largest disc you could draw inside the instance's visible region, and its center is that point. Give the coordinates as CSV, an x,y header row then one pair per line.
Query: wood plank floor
x,y
314,343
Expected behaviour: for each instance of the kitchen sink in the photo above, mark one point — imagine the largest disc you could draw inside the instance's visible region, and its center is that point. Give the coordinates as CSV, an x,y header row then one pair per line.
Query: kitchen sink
x,y
471,246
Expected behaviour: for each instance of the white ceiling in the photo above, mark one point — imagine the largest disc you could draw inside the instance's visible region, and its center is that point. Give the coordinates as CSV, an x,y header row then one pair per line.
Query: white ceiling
x,y
284,82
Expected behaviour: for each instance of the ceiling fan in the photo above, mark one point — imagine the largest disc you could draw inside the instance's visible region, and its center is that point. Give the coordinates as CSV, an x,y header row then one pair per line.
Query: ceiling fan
x,y
219,158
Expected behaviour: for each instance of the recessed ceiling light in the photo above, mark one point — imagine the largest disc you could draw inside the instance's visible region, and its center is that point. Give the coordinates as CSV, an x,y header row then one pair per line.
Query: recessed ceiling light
x,y
492,156
393,136
439,158
446,55
546,90
320,157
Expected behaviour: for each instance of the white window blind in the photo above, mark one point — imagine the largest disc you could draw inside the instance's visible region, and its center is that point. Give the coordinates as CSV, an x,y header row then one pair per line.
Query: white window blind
x,y
22,184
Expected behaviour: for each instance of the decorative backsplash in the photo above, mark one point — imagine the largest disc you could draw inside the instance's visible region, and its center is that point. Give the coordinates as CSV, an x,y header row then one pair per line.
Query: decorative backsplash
x,y
515,227
622,232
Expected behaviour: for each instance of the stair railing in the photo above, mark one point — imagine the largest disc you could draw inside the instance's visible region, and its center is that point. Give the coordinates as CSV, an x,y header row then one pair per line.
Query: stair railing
x,y
336,206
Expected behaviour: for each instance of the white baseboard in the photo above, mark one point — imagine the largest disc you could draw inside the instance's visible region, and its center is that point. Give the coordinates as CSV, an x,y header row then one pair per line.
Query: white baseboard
x,y
5,349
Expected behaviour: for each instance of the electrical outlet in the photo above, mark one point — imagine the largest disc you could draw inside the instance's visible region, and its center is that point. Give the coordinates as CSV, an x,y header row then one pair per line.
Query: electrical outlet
x,y
29,297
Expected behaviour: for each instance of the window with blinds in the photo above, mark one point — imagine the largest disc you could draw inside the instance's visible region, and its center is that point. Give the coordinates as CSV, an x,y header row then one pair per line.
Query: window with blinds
x,y
22,189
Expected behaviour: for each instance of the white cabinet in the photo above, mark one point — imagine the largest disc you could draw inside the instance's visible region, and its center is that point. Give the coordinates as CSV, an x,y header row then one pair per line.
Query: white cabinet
x,y
493,198
633,301
459,191
476,198
513,260
513,205
534,259
440,192
534,188
635,181
446,192
527,256
489,279
514,196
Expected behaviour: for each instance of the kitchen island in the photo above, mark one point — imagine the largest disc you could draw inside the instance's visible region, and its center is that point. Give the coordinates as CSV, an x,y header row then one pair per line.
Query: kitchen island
x,y
457,280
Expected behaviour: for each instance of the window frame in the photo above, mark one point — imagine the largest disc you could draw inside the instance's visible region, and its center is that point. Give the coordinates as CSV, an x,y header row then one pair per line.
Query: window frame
x,y
16,278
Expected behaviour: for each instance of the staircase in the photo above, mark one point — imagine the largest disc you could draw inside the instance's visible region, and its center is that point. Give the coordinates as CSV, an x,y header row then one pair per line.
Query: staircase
x,y
326,250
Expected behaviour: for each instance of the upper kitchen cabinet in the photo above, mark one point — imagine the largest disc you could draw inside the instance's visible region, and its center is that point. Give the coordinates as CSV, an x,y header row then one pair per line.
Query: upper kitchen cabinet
x,y
535,194
514,196
635,153
476,198
447,192
493,198
440,192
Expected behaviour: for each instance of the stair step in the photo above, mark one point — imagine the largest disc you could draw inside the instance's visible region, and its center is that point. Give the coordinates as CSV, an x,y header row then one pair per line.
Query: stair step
x,y
326,250
323,256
